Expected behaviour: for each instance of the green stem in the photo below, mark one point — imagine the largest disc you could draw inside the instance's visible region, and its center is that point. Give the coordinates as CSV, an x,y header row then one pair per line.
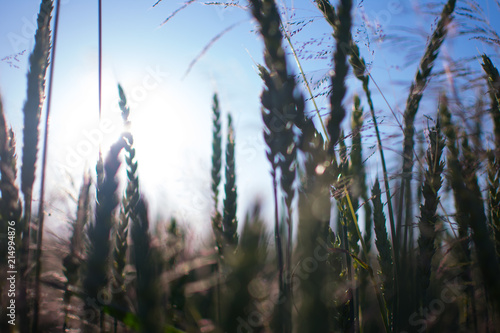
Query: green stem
x,y
301,70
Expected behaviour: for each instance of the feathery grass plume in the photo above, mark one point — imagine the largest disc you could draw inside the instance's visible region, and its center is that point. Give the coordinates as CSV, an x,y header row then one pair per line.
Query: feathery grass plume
x,y
343,39
216,170
494,91
97,264
229,221
239,305
384,248
38,61
428,212
73,261
417,88
494,198
147,271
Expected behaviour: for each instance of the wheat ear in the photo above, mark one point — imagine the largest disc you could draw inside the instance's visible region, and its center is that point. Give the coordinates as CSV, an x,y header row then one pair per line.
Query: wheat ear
x,y
216,170
146,264
97,270
385,254
229,220
428,212
494,91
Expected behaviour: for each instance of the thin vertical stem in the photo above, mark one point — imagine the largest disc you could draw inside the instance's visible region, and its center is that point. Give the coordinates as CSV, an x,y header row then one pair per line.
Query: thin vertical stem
x,y
278,241
100,56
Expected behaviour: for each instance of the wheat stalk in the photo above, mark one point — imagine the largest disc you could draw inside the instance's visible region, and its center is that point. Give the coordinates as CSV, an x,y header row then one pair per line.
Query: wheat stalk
x,y
281,110
494,91
357,169
428,212
129,200
494,198
420,82
229,220
343,38
216,169
10,204
245,265
97,270
146,264
470,211
385,256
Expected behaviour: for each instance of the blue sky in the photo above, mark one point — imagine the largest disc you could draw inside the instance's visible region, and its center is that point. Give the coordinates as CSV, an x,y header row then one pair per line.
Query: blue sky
x,y
171,112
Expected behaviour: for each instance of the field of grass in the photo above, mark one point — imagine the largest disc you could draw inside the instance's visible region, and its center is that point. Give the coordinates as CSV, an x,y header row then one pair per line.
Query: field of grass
x,y
416,263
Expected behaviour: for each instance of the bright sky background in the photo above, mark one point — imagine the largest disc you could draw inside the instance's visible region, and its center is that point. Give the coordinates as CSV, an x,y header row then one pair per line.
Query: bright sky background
x,y
171,113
